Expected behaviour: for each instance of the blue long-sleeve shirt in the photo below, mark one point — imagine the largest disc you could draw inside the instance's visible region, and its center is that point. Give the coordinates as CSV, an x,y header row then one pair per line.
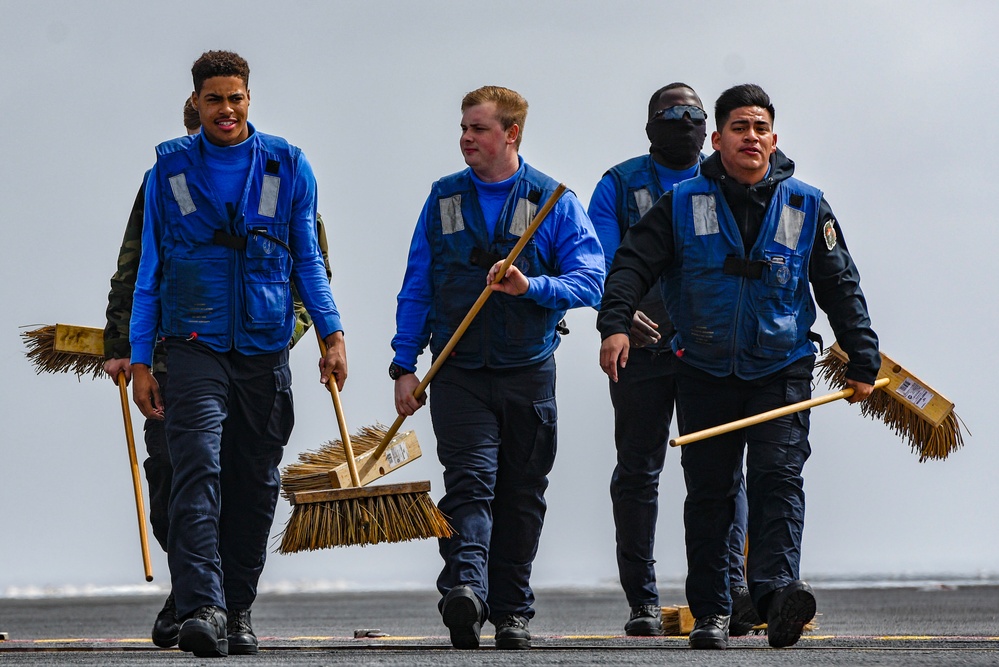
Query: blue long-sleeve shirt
x,y
565,240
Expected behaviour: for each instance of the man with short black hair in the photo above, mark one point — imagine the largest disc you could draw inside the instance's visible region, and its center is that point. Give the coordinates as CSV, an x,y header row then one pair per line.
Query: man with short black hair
x,y
741,249
644,393
117,353
230,225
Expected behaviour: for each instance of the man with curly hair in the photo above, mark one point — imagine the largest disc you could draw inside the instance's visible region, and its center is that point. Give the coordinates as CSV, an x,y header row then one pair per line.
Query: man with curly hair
x,y
230,226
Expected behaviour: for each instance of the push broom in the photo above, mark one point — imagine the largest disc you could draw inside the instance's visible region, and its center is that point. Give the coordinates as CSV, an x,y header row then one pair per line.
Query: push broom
x,y
916,412
65,348
359,515
319,536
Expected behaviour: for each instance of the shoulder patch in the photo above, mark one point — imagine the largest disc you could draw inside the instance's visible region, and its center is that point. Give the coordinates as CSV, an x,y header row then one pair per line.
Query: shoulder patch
x,y
829,234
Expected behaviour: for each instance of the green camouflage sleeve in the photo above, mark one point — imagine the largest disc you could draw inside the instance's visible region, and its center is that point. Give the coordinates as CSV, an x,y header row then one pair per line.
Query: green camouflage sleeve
x,y
302,319
119,310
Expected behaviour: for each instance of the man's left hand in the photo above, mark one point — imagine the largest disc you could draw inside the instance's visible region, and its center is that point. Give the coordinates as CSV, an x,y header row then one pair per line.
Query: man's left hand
x,y
335,362
514,282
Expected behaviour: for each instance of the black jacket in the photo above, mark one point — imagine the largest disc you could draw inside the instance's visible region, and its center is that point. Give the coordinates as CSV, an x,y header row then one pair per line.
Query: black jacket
x,y
648,249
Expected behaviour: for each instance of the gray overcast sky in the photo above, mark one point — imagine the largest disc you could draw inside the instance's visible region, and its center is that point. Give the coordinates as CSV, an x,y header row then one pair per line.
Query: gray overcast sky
x,y
884,105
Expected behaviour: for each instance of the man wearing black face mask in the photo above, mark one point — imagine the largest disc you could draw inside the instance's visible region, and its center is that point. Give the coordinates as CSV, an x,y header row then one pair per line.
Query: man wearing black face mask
x,y
645,391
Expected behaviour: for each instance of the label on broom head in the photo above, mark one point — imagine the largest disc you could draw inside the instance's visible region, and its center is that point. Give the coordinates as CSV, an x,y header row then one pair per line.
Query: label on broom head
x,y
397,455
915,393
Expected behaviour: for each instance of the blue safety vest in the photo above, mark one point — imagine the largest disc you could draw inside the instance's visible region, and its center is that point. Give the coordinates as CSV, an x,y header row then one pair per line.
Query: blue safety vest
x,y
227,277
509,331
637,189
748,316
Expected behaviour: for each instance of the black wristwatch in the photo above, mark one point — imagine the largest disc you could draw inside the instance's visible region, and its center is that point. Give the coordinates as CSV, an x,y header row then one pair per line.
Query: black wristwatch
x,y
396,371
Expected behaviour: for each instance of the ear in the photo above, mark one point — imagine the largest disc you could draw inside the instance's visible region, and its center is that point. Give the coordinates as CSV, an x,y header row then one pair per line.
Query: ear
x,y
194,98
512,133
247,97
716,140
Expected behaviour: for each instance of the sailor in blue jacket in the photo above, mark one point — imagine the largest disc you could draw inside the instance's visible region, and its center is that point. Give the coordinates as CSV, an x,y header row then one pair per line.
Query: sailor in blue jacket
x,y
741,249
645,391
493,402
229,225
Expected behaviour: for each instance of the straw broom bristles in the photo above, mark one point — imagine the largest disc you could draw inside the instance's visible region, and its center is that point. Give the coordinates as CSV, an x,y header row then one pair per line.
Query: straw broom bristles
x,y
44,357
923,438
311,471
363,521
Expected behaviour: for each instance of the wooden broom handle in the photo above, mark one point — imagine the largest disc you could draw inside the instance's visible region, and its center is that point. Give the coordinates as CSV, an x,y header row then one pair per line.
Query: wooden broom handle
x,y
136,479
465,323
348,449
767,416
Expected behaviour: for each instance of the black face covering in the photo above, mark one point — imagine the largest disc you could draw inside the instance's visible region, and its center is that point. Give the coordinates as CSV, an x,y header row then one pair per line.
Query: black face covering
x,y
676,143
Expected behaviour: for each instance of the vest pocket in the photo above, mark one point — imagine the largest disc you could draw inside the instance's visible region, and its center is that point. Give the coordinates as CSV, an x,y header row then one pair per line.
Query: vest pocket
x,y
199,299
776,335
266,259
781,276
266,304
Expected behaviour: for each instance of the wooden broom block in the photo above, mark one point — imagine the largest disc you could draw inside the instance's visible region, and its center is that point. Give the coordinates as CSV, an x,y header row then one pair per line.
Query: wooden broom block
x,y
926,402
79,340
402,449
333,495
686,620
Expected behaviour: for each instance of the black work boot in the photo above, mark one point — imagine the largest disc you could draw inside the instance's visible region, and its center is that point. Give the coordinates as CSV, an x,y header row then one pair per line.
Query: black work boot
x,y
239,632
512,632
646,620
203,633
462,614
710,632
791,608
166,627
744,616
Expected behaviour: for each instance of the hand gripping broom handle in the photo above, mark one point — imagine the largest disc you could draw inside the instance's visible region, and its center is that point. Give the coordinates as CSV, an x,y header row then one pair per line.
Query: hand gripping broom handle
x,y
136,480
456,336
767,416
348,449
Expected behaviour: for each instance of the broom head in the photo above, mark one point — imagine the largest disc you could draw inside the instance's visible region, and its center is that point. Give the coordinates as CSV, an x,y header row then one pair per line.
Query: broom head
x,y
362,516
915,411
65,348
326,467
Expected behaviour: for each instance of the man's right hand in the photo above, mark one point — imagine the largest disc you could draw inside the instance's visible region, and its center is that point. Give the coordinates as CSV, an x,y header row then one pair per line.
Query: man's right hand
x,y
405,403
115,366
643,330
614,353
146,392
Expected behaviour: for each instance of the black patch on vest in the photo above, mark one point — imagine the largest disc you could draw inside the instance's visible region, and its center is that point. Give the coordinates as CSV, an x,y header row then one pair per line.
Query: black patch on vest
x,y
534,196
796,201
483,258
737,266
272,166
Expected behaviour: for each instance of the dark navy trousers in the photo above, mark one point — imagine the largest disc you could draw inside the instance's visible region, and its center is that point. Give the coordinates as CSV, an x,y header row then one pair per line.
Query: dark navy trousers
x,y
775,454
643,400
228,419
159,472
496,440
